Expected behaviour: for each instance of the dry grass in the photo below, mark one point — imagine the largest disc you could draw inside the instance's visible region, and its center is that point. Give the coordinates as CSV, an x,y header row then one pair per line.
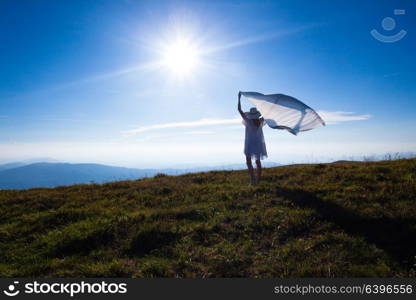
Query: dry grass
x,y
324,220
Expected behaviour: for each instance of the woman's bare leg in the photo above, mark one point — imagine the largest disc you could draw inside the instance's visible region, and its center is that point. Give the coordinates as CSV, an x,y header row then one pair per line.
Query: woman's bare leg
x,y
250,170
258,164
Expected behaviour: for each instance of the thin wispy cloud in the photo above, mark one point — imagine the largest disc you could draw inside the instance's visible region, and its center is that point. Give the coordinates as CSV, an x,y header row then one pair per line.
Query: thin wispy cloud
x,y
391,74
330,117
257,39
156,64
140,69
235,126
334,117
110,75
46,119
198,123
198,132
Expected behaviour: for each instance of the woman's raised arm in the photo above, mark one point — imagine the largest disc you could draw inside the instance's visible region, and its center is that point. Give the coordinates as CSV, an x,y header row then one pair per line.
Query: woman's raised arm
x,y
239,107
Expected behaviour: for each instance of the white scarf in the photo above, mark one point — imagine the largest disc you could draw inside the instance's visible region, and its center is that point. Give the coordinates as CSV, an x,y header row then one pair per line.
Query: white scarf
x,y
285,112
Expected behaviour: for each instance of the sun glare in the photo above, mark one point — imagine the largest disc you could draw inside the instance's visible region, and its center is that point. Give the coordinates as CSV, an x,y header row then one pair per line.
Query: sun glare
x,y
181,57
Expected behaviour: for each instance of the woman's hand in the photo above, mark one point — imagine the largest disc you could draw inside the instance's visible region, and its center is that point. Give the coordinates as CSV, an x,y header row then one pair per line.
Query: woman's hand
x,y
239,106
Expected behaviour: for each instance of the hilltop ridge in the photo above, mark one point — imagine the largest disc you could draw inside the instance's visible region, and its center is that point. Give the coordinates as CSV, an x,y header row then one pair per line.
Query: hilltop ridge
x,y
21,175
323,220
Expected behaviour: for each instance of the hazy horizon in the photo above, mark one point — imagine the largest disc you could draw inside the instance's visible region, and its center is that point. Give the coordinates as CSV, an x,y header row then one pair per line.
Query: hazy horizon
x,y
306,160
154,84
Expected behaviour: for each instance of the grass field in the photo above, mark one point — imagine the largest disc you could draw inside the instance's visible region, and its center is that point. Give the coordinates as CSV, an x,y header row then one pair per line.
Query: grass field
x,y
324,220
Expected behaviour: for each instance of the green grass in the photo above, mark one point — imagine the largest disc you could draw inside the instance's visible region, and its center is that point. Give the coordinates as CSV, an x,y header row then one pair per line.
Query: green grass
x,y
350,219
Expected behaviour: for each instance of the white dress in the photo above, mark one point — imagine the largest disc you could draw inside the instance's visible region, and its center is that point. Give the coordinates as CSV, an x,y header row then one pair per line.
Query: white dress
x,y
254,145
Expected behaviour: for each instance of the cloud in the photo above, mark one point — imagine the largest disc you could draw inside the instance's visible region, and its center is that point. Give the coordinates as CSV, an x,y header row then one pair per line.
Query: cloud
x,y
198,123
334,117
109,75
258,38
198,132
391,74
156,64
235,126
153,65
330,117
139,69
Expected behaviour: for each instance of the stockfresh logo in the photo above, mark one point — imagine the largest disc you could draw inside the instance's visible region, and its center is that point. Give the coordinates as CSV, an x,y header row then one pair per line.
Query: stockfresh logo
x,y
12,290
71,289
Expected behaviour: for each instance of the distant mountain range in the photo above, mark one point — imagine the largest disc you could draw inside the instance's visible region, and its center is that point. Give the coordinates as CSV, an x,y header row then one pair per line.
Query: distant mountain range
x,y
21,175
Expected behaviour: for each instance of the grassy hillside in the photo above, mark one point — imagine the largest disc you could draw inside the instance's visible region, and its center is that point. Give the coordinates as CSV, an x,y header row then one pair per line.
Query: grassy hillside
x,y
343,219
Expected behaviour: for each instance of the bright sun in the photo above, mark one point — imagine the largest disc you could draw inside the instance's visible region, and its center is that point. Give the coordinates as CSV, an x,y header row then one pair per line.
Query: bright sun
x,y
180,57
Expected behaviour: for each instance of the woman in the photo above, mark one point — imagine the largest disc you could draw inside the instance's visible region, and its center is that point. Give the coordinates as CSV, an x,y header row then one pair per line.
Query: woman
x,y
254,146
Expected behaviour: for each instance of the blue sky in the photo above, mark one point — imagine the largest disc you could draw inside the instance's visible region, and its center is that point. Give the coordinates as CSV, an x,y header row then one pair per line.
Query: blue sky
x,y
82,81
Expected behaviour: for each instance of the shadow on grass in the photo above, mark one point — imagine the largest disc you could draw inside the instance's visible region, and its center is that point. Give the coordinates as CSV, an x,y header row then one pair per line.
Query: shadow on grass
x,y
147,241
83,245
395,236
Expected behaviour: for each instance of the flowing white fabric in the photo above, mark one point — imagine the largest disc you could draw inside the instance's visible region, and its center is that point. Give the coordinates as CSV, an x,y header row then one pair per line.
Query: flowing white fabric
x,y
284,112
